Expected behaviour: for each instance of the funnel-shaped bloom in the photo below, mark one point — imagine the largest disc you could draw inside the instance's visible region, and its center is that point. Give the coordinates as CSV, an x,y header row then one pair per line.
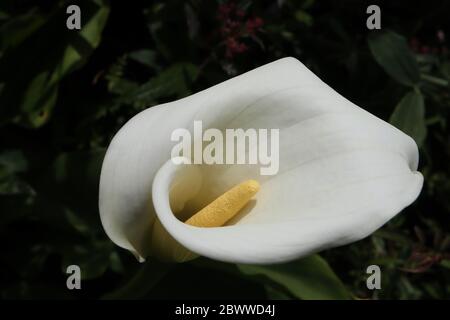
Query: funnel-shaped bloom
x,y
343,172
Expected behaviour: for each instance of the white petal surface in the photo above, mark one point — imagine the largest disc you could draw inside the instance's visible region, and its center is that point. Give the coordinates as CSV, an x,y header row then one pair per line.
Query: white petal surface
x,y
343,172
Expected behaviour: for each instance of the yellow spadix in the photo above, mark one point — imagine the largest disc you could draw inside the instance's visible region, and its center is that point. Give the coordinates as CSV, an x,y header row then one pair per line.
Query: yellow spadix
x,y
226,206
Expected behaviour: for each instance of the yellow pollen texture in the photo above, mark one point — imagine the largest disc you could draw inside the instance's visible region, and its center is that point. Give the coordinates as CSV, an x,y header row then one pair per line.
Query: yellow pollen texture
x,y
226,206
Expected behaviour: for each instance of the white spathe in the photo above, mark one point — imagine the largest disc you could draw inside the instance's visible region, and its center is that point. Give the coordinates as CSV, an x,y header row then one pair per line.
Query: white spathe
x,y
343,172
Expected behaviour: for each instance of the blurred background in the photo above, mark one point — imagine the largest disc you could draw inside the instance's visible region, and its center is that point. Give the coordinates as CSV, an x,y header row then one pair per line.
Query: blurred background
x,y
64,93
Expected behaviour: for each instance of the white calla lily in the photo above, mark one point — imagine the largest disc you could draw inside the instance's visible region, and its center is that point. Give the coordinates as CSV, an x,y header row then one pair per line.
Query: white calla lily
x,y
343,172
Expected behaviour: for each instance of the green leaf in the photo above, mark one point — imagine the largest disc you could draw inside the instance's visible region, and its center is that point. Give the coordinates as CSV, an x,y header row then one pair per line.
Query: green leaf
x,y
307,278
76,173
174,82
16,30
276,294
392,53
304,17
93,261
146,57
409,116
13,161
445,264
148,275
31,80
68,190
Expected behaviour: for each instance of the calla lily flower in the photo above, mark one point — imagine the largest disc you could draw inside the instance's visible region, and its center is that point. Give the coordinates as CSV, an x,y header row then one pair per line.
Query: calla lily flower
x,y
343,173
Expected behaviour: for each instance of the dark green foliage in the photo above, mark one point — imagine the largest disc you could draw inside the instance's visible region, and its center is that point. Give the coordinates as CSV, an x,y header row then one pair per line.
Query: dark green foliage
x,y
64,94
391,51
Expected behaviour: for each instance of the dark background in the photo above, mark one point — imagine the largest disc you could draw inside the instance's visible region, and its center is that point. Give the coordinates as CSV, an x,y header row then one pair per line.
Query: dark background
x,y
64,94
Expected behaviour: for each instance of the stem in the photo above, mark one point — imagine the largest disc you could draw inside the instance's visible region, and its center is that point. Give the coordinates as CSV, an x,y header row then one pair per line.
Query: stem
x,y
435,80
140,284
